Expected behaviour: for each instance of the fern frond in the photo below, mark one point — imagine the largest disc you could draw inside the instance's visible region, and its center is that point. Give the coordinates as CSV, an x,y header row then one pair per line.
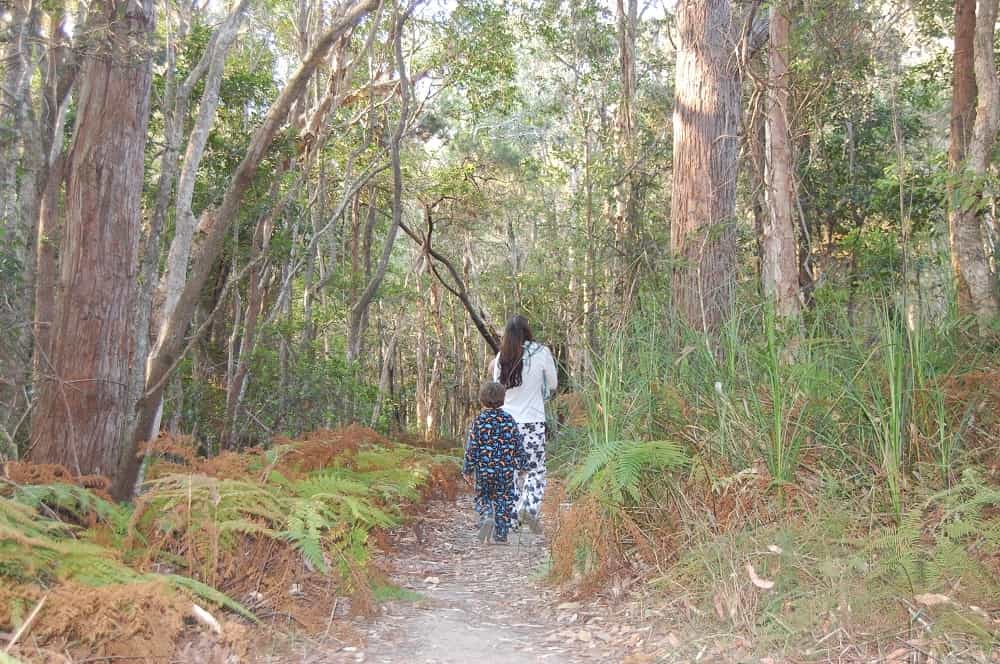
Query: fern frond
x,y
206,592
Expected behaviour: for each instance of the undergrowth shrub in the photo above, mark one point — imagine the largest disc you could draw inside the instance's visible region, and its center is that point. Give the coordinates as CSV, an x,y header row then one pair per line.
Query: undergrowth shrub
x,y
614,462
277,532
847,459
829,568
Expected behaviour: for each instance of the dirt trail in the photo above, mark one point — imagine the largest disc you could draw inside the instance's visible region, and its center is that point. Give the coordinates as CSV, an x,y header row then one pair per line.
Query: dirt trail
x,y
481,602
468,602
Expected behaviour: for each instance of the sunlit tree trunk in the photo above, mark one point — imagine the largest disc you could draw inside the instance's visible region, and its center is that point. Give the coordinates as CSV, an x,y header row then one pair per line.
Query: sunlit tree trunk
x,y
16,221
779,268
82,404
962,225
703,201
968,239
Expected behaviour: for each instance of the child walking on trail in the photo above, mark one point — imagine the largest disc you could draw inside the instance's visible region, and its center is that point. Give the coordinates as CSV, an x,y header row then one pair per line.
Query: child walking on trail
x,y
495,454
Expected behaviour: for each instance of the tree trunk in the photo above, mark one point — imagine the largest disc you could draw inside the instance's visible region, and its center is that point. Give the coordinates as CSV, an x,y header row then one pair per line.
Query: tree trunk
x,y
963,117
779,268
625,210
976,282
256,298
16,222
83,406
209,236
360,308
212,65
703,202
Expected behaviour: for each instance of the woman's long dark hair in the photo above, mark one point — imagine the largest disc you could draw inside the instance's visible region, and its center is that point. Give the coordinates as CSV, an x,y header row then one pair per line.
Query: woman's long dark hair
x,y
515,334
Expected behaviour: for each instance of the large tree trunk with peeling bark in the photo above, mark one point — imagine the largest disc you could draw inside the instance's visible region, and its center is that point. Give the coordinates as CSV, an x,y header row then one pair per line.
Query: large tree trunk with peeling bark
x,y
975,107
779,268
706,124
83,405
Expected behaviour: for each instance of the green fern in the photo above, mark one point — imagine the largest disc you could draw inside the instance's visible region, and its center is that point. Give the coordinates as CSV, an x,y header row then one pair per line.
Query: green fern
x,y
73,500
206,592
926,555
619,468
34,548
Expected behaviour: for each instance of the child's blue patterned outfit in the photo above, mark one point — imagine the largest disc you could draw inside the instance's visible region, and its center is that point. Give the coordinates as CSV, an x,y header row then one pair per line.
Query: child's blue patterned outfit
x,y
495,452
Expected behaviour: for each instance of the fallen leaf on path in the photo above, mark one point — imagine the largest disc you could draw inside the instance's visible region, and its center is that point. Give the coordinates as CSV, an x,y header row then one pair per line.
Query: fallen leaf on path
x,y
931,599
720,608
897,655
774,548
584,635
432,581
206,618
639,659
763,584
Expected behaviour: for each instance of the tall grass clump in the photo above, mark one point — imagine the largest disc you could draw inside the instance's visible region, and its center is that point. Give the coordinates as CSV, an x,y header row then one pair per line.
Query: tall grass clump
x,y
617,457
882,391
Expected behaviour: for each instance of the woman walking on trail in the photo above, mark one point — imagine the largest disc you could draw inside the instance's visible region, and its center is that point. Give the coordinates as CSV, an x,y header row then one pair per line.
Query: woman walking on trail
x,y
526,368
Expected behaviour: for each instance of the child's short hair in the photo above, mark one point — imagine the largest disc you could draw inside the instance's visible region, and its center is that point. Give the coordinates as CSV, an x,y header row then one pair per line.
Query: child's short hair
x,y
491,394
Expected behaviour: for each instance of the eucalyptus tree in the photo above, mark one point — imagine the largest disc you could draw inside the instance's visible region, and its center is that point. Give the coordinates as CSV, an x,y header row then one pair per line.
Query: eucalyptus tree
x,y
83,408
715,39
975,120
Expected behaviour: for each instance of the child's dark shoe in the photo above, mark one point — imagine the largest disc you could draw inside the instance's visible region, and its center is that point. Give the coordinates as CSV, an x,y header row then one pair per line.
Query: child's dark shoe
x,y
500,540
533,524
485,531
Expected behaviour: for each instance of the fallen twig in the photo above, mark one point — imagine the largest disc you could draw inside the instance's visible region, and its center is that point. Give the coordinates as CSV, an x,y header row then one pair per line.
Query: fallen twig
x,y
26,624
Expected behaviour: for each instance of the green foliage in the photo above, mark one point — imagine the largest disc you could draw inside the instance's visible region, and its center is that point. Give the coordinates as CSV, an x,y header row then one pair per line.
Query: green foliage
x,y
70,500
38,549
927,555
476,50
618,469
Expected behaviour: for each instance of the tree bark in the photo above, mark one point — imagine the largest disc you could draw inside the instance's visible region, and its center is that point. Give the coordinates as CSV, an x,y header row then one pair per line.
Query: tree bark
x,y
779,267
625,208
703,202
82,405
977,284
962,225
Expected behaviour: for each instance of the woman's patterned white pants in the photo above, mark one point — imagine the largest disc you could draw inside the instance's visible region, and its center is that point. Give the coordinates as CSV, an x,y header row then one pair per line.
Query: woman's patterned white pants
x,y
530,496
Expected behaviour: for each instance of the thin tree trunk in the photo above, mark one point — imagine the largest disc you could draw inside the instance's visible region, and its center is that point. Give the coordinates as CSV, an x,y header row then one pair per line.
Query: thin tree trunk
x,y
974,276
625,212
779,267
257,294
963,225
385,376
213,61
17,224
83,405
360,308
706,126
209,237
